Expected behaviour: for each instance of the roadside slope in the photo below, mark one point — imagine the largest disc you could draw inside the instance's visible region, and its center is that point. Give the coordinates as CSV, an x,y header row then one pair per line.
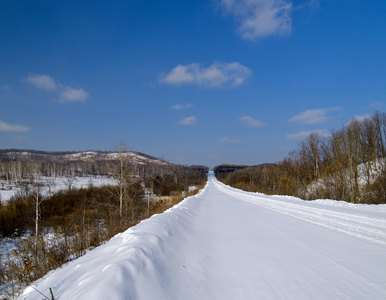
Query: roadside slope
x,y
228,244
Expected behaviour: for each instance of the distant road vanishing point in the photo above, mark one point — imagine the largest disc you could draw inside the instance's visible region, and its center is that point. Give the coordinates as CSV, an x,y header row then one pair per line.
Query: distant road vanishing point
x,y
228,244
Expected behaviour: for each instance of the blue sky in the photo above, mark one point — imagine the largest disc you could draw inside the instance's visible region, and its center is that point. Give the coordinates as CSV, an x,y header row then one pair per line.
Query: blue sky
x,y
192,82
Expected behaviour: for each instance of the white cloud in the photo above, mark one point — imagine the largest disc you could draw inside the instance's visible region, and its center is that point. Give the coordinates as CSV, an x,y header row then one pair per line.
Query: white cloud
x,y
181,75
260,18
5,87
188,121
227,140
251,122
305,134
181,106
312,116
13,127
65,93
42,82
68,94
217,75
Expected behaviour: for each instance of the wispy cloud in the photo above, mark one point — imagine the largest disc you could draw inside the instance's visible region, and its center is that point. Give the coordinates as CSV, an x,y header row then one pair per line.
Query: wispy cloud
x,y
315,4
6,127
217,75
260,18
304,134
5,87
188,121
47,83
376,106
311,4
360,118
181,106
227,140
251,122
312,116
21,138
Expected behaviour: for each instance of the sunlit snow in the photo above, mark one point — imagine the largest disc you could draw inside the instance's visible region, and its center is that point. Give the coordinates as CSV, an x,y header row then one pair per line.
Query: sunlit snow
x,y
229,244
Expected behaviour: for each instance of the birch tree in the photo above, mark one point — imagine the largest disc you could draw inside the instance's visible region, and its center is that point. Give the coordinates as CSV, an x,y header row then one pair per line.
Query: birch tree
x,y
123,170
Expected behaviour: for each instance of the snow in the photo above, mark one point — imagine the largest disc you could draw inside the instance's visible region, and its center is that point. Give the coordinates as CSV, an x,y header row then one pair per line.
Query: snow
x,y
228,244
59,183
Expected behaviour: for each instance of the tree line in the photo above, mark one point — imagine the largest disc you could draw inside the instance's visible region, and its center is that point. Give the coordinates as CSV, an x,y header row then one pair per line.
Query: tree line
x,y
347,165
13,170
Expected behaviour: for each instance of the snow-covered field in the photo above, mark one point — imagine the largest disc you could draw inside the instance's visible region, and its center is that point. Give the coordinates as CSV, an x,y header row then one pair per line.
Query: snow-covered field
x,y
52,185
229,244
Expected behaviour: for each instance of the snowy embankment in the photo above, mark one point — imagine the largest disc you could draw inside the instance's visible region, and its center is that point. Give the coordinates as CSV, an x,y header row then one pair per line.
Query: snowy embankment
x,y
229,244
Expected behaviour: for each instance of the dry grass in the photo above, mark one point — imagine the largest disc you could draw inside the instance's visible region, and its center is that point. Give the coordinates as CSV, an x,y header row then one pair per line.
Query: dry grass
x,y
160,204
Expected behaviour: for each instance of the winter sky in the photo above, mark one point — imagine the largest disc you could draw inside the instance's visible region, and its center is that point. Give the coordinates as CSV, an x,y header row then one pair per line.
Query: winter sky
x,y
190,81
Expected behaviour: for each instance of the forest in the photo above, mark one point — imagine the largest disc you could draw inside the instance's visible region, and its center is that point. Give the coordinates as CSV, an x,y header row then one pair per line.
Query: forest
x,y
349,164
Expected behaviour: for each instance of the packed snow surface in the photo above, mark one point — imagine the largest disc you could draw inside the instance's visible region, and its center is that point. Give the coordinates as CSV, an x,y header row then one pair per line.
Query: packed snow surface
x,y
229,244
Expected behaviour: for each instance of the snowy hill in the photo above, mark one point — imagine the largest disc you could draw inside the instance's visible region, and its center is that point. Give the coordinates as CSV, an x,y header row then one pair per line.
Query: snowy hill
x,y
86,156
229,244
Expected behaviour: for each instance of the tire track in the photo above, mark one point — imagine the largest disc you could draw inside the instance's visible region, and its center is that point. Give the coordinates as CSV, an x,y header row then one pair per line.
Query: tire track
x,y
365,228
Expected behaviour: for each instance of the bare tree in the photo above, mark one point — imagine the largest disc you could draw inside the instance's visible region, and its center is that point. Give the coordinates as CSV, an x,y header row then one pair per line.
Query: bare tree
x,y
123,170
38,201
35,184
343,155
70,180
368,147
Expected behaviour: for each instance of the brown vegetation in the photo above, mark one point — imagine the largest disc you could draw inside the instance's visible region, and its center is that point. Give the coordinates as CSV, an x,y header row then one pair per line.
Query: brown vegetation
x,y
348,165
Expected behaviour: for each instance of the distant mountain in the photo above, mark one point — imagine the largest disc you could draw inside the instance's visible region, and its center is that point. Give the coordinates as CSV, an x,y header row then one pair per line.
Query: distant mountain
x,y
86,156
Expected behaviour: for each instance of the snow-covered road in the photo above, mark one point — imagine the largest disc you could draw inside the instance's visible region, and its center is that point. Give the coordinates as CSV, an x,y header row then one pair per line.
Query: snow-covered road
x,y
229,244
